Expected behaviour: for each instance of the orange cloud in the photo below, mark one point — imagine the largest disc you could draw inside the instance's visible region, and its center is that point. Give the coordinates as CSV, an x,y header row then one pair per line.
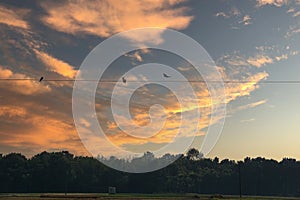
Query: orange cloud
x,y
173,111
55,65
39,123
235,90
35,117
45,133
26,87
259,60
13,17
12,111
58,131
104,18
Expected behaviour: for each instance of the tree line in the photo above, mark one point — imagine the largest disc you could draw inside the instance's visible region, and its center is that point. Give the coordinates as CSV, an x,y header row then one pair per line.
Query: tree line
x,y
190,173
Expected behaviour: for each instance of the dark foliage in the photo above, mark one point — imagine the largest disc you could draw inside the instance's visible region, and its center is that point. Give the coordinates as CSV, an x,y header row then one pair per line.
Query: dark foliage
x,y
63,172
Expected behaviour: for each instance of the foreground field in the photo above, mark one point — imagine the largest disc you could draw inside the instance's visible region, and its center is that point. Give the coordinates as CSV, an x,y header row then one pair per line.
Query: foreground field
x,y
131,197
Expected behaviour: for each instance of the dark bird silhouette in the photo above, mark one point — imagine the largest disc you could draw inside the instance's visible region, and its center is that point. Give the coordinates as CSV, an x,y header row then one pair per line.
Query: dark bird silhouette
x,y
166,75
123,79
42,78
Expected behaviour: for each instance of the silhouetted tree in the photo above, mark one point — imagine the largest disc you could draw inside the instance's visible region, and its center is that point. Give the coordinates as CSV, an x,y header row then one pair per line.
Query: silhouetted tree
x,y
64,172
194,154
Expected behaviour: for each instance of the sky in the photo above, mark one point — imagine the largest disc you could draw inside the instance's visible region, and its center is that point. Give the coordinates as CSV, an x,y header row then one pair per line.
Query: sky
x,y
256,40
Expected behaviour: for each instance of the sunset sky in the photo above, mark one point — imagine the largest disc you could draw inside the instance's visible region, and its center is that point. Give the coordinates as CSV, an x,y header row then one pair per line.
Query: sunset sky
x,y
256,40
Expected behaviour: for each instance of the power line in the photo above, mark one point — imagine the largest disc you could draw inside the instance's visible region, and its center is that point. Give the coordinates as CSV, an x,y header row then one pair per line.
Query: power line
x,y
167,81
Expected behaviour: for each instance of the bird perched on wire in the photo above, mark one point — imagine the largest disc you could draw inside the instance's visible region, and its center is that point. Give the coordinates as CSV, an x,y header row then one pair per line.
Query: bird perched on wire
x,y
123,79
166,75
42,78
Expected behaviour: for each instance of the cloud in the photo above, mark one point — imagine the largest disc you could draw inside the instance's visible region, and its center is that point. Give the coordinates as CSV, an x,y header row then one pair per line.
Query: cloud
x,y
222,14
232,13
252,105
234,60
140,114
104,18
259,60
265,55
277,3
185,68
296,14
41,132
35,117
235,90
247,120
12,111
173,111
137,55
294,53
50,115
282,57
56,65
246,20
239,60
293,30
291,10
13,17
25,87
55,123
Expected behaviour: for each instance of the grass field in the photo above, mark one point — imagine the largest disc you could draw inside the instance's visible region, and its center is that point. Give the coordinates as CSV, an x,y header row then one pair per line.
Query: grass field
x,y
130,197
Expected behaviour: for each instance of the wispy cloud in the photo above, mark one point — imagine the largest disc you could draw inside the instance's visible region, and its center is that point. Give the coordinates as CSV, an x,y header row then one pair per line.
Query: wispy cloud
x,y
12,111
252,105
233,12
259,60
26,87
277,3
293,30
237,59
247,120
104,18
13,17
235,91
173,111
236,13
55,65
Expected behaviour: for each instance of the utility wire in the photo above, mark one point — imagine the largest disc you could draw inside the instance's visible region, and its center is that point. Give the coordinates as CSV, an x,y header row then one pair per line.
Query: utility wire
x,y
167,81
